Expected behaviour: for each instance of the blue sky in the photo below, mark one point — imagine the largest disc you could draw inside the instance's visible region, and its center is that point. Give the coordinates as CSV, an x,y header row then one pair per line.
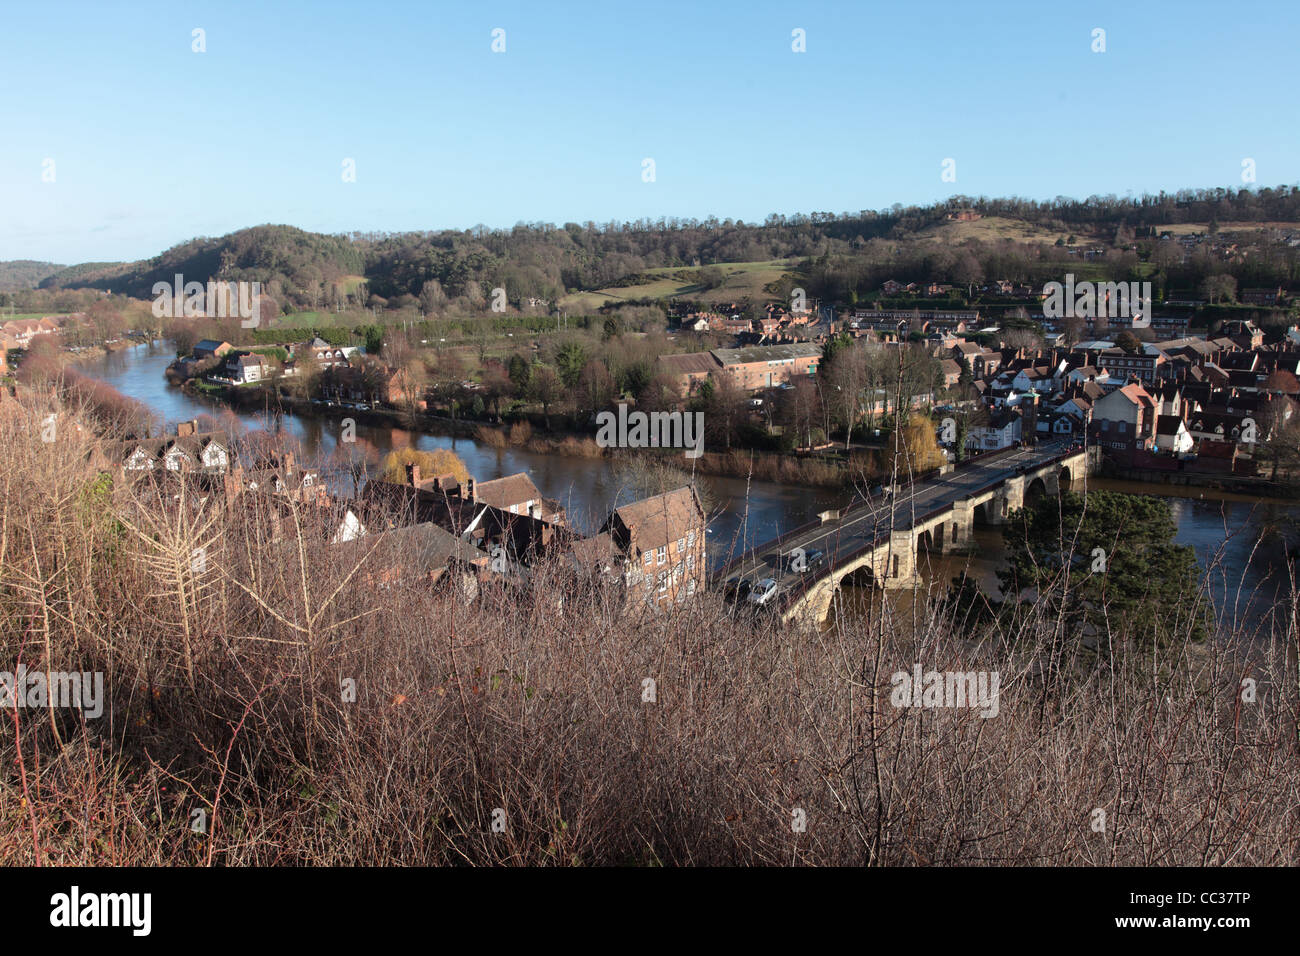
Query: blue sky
x,y
153,143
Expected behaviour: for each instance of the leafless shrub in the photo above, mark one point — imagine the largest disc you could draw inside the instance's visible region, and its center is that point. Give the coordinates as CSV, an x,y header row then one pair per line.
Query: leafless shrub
x,y
317,705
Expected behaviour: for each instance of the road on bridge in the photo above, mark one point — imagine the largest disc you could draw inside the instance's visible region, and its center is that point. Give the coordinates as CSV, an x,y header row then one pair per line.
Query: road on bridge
x,y
854,531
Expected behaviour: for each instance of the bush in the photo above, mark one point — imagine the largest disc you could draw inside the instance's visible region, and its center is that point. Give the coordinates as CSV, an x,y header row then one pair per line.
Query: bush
x,y
328,705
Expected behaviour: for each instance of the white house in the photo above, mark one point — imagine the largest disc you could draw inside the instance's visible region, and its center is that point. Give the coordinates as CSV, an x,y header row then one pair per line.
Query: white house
x,y
243,368
1038,379
1002,430
1059,424
349,529
1087,373
1172,435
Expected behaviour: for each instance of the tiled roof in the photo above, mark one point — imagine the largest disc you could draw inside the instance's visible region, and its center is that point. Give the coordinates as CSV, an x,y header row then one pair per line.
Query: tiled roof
x,y
690,363
653,522
507,491
157,448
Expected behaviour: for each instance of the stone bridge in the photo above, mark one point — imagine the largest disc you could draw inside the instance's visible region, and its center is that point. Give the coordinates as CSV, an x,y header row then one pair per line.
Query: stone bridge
x,y
877,541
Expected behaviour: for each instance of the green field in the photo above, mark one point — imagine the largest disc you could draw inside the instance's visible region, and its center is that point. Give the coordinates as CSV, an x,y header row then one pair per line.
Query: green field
x,y
20,316
319,320
744,280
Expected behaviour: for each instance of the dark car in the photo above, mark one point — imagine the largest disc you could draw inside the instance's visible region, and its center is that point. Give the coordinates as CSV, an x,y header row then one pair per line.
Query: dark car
x,y
814,558
736,589
802,560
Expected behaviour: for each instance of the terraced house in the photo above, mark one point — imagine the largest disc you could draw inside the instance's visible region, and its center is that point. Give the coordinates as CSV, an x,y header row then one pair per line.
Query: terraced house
x,y
22,331
187,450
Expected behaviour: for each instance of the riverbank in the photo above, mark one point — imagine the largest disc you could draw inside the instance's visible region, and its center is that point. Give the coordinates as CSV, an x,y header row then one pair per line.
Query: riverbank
x,y
1232,484
735,463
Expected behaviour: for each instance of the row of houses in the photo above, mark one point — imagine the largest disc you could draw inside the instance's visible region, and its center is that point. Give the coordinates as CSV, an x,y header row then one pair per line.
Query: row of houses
x,y
19,333
654,547
221,362
1212,401
422,528
775,321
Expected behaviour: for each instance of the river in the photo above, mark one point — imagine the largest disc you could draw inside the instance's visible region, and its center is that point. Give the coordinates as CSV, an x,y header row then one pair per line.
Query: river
x,y
587,488
1235,536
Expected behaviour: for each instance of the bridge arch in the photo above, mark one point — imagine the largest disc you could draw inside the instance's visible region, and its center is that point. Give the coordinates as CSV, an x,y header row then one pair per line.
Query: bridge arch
x,y
1066,478
1037,488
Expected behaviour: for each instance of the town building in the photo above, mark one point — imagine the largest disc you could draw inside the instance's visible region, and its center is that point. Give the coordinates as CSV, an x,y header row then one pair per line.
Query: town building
x,y
661,547
766,366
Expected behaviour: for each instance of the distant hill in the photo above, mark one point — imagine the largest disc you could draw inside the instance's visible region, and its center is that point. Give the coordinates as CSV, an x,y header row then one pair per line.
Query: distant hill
x,y
962,241
25,273
284,255
81,276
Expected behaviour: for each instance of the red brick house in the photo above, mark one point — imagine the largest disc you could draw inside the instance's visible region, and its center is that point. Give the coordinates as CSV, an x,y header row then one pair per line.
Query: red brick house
x,y
660,544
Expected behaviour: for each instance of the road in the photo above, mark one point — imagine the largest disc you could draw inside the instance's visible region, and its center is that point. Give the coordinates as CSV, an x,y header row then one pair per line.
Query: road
x,y
851,533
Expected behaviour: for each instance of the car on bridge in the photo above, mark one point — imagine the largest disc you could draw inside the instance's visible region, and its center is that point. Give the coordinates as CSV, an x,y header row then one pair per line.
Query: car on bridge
x,y
735,588
798,560
794,561
762,592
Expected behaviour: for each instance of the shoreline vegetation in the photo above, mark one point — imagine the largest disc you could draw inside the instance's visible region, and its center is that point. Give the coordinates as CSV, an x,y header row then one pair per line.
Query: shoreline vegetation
x,y
863,464
810,471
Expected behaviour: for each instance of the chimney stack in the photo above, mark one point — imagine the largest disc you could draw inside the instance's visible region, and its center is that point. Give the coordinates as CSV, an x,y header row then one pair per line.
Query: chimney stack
x,y
234,483
471,489
413,475
184,429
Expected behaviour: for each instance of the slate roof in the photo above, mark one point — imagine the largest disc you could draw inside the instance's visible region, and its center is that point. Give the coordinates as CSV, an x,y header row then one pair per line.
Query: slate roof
x,y
767,353
691,363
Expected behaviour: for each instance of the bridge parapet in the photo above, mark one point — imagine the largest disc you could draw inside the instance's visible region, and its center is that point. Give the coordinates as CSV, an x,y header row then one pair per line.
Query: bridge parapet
x,y
891,558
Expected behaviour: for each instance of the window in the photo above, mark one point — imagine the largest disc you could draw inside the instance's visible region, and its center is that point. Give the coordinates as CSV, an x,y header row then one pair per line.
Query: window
x,y
663,553
690,562
649,558
663,580
690,538
681,545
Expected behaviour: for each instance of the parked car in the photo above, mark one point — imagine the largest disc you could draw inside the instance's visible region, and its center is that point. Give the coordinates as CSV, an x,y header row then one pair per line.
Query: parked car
x,y
762,592
735,588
